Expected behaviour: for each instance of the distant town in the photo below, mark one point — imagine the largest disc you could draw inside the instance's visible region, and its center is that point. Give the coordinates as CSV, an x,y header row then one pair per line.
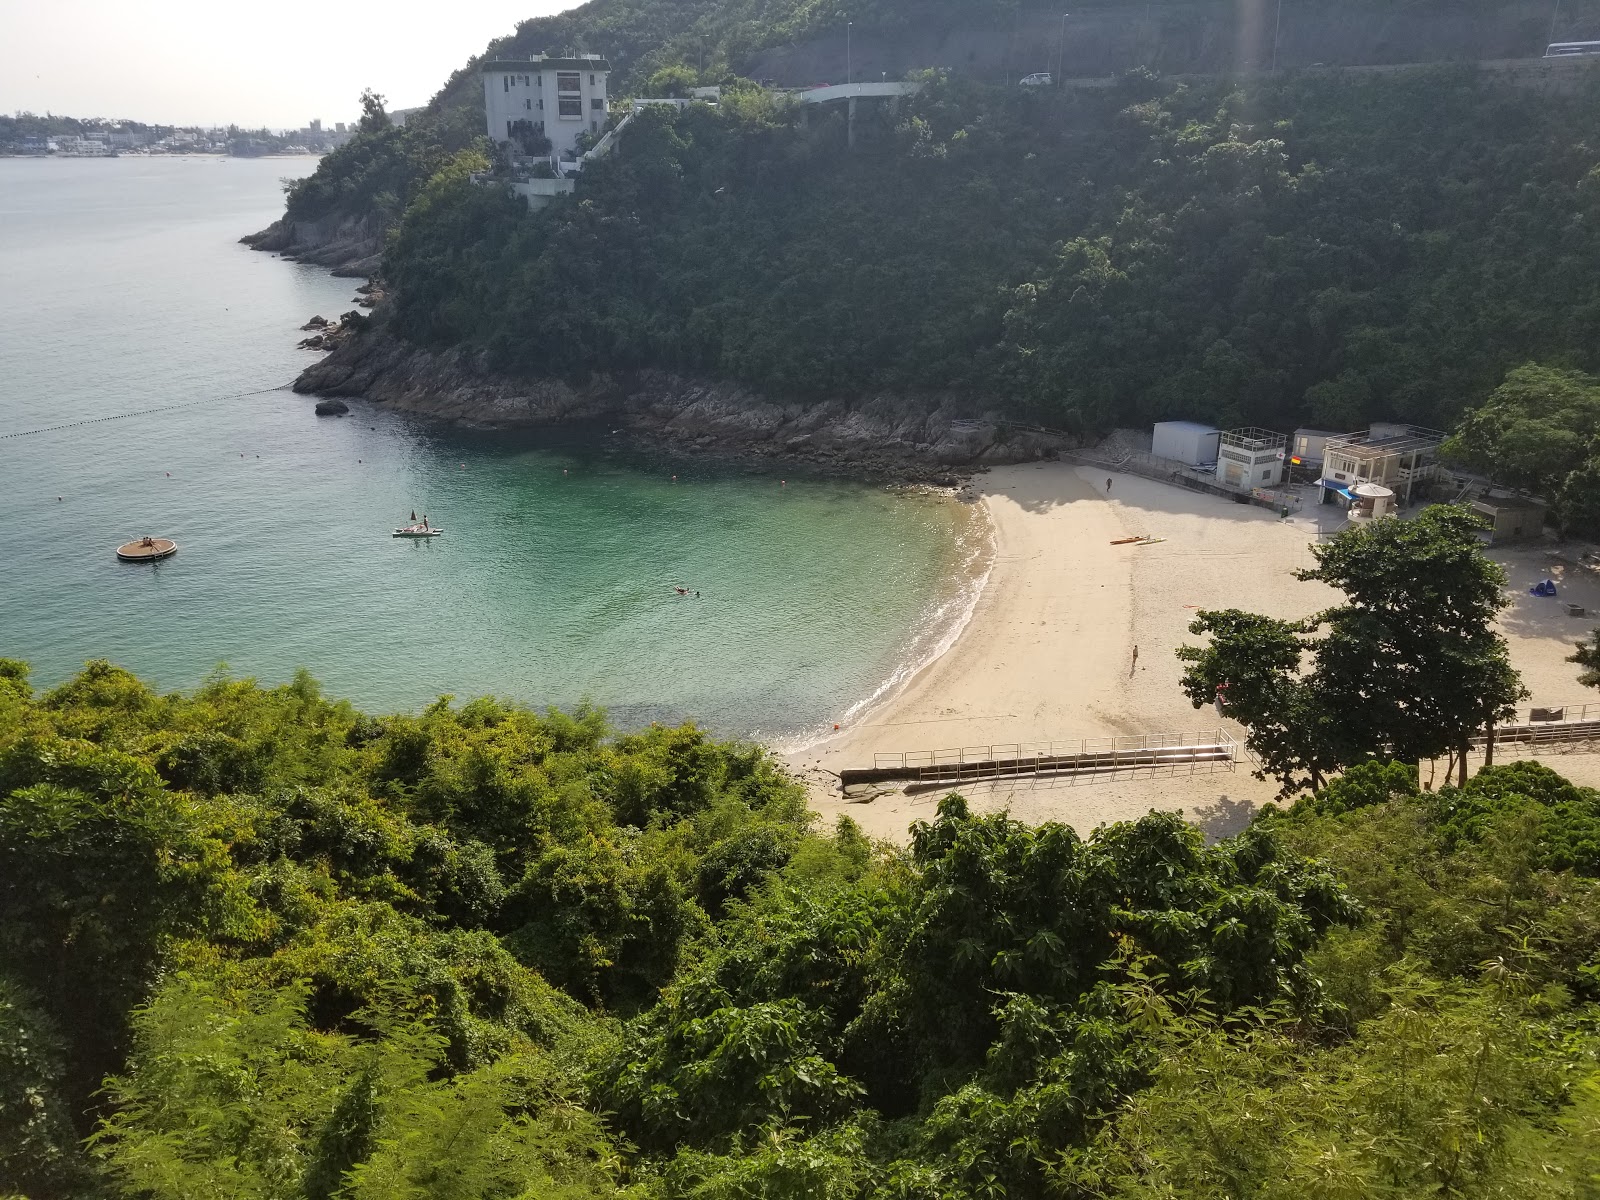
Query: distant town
x,y
29,134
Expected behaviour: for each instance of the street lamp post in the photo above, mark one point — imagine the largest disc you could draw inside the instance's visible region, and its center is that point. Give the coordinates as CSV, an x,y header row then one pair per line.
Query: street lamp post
x,y
848,76
1554,17
1061,50
1278,25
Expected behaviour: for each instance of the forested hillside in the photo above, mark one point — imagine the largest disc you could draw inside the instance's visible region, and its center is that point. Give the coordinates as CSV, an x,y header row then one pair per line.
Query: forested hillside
x,y
1317,248
1328,250
256,943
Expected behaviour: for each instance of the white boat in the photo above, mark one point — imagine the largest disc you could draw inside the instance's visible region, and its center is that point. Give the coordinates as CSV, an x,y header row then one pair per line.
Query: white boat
x,y
418,531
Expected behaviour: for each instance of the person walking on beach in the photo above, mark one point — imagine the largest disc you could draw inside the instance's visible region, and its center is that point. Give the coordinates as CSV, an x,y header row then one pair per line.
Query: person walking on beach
x,y
1108,485
1134,666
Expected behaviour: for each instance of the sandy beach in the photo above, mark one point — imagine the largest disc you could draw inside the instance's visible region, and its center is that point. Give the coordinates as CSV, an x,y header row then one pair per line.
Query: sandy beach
x,y
1049,651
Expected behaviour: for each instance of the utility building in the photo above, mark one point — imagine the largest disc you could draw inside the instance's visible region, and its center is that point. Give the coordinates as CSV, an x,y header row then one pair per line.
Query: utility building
x,y
1511,518
1251,458
528,100
1188,442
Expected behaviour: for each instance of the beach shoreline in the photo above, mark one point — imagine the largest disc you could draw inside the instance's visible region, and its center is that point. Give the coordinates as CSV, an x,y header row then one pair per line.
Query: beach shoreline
x,y
972,565
1047,650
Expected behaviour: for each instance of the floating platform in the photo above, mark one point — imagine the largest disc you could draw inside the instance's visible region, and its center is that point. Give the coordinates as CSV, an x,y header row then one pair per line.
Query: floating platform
x,y
147,550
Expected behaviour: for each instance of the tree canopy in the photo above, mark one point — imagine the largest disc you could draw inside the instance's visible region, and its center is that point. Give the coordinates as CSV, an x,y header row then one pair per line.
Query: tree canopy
x,y
1538,432
1328,251
254,942
1409,668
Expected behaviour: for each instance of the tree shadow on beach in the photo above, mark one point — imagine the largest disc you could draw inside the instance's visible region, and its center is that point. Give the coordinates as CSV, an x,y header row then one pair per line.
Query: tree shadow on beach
x,y
1222,817
1548,616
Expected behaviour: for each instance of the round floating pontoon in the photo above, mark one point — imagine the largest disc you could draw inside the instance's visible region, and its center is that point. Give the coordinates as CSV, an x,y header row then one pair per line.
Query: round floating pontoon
x,y
147,549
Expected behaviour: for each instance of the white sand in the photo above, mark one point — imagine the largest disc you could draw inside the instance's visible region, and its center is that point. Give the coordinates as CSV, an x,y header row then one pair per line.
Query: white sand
x,y
1048,654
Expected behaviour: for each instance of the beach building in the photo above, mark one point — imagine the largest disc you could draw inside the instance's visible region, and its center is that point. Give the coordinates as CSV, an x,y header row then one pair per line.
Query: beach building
x,y
1372,500
1188,442
529,99
1511,518
1306,446
1393,455
1251,457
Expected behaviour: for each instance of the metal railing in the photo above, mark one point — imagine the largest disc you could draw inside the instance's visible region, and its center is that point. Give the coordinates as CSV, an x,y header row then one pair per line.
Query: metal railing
x,y
1564,725
1206,751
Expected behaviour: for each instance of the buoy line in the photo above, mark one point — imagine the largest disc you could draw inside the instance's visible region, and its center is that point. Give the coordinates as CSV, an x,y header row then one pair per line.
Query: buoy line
x,y
143,412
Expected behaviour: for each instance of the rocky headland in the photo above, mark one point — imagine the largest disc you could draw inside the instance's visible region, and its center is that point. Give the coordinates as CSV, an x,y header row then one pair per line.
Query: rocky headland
x,y
897,438
348,246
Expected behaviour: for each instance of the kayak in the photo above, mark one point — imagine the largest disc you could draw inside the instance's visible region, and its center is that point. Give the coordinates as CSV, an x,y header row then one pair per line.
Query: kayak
x,y
417,531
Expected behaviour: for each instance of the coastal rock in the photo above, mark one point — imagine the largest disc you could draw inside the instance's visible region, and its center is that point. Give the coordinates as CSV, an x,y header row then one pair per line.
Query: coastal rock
x,y
351,246
315,342
331,408
928,439
317,322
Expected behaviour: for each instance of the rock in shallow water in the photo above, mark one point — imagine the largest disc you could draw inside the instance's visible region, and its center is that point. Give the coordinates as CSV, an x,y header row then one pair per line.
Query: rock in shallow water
x,y
332,408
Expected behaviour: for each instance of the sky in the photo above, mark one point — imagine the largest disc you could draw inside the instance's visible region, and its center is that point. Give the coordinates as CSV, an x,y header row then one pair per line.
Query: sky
x,y
245,62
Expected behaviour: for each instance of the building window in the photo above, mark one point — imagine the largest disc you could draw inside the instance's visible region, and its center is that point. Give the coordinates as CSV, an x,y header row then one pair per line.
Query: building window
x,y
508,131
1266,475
568,81
541,105
570,108
506,79
591,80
597,103
594,126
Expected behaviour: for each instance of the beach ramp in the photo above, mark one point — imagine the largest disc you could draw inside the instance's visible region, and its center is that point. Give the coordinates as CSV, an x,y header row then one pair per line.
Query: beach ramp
x,y
1146,753
1571,727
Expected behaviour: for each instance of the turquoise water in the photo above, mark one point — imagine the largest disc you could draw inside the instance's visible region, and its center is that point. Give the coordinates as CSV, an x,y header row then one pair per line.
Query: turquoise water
x,y
124,289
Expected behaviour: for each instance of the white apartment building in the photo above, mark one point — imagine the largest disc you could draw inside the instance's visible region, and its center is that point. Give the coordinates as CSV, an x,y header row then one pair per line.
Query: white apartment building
x,y
556,97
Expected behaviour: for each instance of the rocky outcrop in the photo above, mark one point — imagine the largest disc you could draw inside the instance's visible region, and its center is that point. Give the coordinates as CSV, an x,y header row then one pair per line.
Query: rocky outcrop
x,y
331,408
350,246
330,335
912,438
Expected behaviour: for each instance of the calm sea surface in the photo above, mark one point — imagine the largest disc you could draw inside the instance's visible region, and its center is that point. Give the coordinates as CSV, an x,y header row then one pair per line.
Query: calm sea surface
x,y
122,288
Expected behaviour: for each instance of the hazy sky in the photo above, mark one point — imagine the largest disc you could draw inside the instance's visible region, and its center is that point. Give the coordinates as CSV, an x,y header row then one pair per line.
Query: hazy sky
x,y
245,61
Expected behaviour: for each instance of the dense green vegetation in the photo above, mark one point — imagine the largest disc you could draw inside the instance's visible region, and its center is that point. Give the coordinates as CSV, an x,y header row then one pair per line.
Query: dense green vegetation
x,y
1328,250
378,174
256,943
1539,432
1272,251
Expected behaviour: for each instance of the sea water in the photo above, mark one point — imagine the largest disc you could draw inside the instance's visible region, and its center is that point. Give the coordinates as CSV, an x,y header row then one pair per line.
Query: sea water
x,y
123,289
